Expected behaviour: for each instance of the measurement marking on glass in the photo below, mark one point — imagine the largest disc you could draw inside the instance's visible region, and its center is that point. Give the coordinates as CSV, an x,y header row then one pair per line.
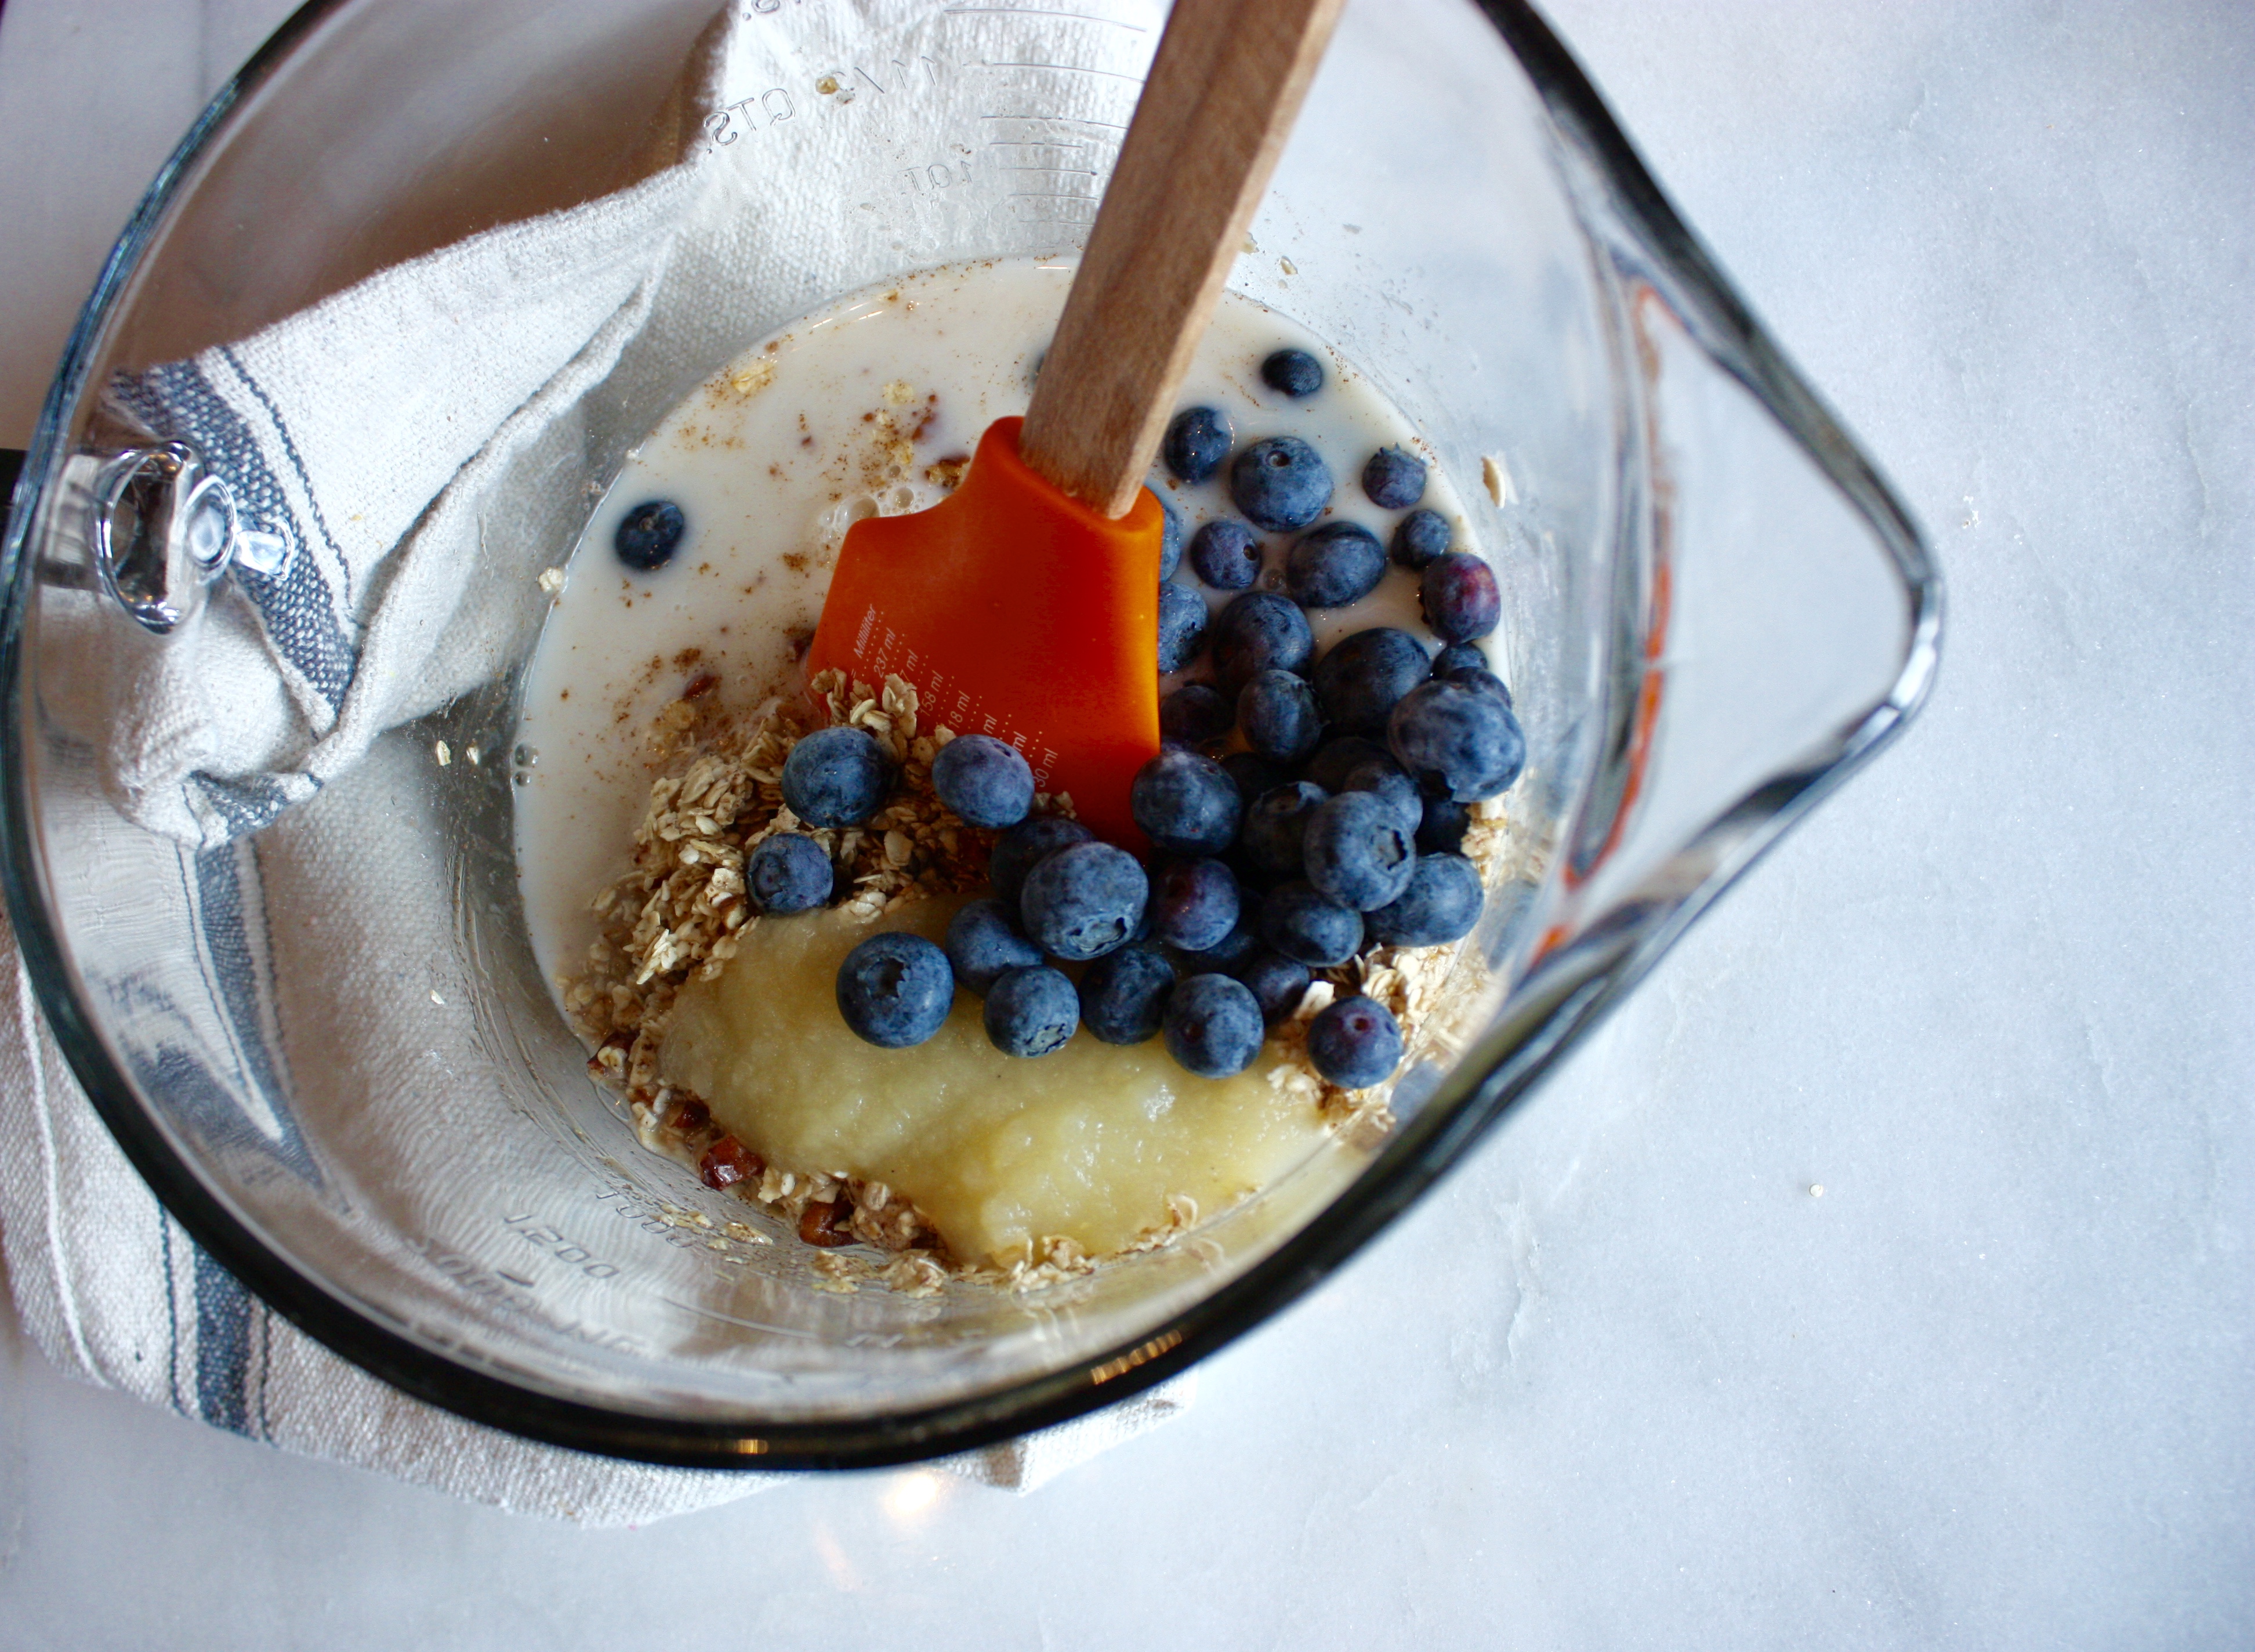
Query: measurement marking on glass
x,y
1038,12
1062,120
738,1319
1069,68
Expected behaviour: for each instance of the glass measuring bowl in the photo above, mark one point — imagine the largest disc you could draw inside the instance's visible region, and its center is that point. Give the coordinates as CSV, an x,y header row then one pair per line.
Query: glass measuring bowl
x,y
1714,610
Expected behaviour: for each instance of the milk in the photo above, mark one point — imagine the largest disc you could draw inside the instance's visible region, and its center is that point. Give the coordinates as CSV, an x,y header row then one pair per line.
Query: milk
x,y
852,411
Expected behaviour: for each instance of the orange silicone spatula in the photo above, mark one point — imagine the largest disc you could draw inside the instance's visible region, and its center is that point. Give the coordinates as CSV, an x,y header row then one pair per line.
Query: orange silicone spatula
x,y
1025,605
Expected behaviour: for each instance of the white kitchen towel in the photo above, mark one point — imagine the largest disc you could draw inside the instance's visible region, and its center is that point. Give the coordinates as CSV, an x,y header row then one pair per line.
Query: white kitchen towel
x,y
402,440
399,441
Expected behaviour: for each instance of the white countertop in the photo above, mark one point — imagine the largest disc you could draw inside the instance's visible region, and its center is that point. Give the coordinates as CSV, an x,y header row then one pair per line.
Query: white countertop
x,y
1991,1389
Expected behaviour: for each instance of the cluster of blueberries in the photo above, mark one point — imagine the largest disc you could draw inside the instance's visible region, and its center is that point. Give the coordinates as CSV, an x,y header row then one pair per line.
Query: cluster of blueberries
x,y
1282,485
1300,806
1177,949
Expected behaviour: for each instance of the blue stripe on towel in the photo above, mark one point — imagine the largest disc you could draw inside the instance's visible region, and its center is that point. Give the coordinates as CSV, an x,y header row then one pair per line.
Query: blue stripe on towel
x,y
236,979
171,1315
249,803
223,1347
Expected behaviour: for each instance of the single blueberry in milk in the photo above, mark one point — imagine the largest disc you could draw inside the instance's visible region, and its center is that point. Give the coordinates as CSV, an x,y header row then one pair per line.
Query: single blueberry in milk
x,y
1226,555
1294,373
1333,567
1419,536
1394,480
1197,440
650,534
1280,484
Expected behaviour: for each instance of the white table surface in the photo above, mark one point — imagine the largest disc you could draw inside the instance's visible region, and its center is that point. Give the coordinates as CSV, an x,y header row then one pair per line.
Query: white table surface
x,y
1992,1388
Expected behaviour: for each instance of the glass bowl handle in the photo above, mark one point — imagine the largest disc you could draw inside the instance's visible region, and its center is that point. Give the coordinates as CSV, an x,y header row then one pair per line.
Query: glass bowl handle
x,y
162,528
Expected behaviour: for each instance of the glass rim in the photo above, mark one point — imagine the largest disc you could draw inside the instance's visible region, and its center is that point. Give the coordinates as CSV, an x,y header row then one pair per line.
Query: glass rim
x,y
1576,987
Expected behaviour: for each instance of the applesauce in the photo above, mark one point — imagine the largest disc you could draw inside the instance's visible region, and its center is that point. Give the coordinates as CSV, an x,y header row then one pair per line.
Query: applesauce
x,y
1090,1143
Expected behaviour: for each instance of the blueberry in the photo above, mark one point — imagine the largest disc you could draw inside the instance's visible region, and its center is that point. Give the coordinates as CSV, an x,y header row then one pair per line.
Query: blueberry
x,y
1193,714
1459,656
983,780
1228,955
1481,682
1123,994
1360,677
1186,803
1276,982
1226,555
1457,741
983,941
1382,778
1276,822
1330,566
1193,903
1306,925
1336,759
1018,850
837,777
1277,712
1355,1043
1213,1026
1419,536
1254,774
1280,484
1293,372
1459,597
1031,1012
1357,852
1197,440
1182,626
1442,903
1257,631
1171,535
1441,829
650,534
1394,480
789,873
1082,902
895,989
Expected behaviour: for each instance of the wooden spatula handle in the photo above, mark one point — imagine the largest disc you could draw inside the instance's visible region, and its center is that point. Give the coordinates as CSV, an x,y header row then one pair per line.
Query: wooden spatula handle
x,y
1225,86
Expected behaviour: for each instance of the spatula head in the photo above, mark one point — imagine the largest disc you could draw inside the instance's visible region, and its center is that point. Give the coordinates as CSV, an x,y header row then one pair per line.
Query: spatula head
x,y
1016,611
